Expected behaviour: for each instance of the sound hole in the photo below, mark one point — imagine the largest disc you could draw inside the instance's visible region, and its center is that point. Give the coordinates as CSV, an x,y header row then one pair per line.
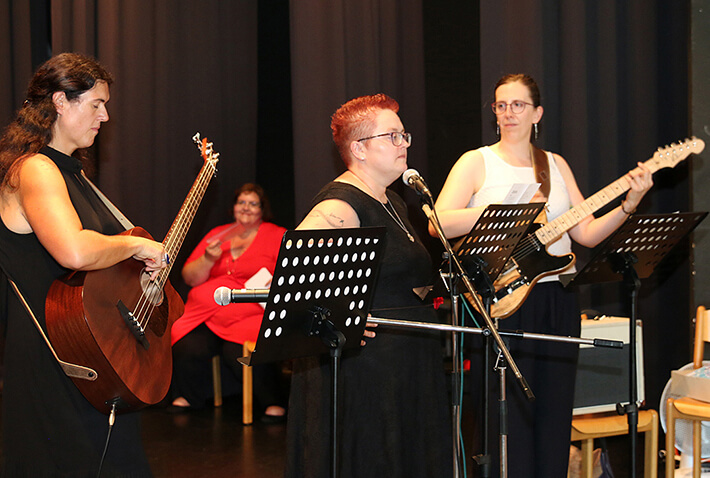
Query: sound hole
x,y
152,291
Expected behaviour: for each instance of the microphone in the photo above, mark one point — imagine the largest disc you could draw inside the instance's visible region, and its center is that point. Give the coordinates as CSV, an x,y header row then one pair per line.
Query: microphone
x,y
412,179
226,296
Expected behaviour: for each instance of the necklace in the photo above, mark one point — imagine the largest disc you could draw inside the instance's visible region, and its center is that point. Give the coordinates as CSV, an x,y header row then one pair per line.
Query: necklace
x,y
395,217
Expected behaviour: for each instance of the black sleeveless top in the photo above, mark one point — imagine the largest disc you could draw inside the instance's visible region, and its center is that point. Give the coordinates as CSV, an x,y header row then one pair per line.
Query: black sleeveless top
x,y
394,412
405,265
48,427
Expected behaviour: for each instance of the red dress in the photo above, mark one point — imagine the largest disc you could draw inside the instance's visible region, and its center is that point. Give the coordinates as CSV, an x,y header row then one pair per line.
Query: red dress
x,y
234,322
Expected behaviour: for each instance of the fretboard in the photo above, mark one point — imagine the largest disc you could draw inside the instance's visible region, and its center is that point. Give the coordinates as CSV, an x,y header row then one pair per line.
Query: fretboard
x,y
574,216
178,230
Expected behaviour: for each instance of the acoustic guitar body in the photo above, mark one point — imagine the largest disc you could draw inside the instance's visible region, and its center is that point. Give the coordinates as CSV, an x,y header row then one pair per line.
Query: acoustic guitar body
x,y
86,326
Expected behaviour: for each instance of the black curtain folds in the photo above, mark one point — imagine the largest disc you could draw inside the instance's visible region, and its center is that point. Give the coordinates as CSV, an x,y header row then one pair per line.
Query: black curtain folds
x,y
340,50
22,35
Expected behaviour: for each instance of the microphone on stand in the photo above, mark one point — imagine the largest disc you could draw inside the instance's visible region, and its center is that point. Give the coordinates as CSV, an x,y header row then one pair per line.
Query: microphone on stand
x,y
226,296
412,179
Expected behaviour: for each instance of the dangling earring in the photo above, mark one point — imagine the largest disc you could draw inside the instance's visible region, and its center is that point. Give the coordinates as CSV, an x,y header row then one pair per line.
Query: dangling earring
x,y
535,125
497,129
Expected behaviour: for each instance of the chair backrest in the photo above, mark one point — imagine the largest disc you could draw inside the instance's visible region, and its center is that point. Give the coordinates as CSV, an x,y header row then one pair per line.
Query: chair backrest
x,y
702,335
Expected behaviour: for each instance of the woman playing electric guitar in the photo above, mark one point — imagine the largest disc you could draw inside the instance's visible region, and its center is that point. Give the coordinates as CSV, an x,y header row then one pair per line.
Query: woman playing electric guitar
x,y
538,431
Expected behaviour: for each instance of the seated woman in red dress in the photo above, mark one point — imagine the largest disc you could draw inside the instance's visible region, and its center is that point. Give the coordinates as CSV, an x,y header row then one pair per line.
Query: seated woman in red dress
x,y
238,255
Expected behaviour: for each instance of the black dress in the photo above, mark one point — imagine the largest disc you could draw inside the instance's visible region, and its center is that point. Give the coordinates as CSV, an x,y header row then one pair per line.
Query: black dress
x,y
48,427
394,413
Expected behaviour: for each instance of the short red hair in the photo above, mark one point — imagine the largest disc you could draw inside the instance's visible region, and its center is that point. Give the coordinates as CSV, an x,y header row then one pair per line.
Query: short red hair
x,y
356,119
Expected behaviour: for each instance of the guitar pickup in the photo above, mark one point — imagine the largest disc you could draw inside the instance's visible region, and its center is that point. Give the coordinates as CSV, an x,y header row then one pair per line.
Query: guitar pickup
x,y
136,329
510,288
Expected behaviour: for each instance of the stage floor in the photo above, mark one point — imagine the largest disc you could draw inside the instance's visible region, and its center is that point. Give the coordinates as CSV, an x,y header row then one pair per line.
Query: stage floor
x,y
213,442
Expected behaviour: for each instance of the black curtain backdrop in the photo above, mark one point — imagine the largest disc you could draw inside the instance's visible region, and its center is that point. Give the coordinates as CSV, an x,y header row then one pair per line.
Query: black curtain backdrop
x,y
343,49
261,79
24,44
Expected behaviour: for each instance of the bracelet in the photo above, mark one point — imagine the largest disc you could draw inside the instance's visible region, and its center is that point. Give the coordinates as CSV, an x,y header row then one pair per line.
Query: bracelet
x,y
624,210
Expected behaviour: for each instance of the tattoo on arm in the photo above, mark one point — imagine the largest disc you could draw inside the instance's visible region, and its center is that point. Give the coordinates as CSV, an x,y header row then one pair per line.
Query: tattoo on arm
x,y
330,218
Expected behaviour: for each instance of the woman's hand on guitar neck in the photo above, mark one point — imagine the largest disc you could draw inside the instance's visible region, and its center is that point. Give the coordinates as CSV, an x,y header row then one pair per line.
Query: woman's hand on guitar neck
x,y
640,179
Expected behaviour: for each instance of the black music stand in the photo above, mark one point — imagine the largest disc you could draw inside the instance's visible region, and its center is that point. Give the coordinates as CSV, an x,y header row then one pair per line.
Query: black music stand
x,y
484,252
629,255
319,299
496,234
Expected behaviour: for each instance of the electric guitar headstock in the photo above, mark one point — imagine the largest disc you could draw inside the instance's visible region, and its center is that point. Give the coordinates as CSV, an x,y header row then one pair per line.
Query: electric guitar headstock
x,y
674,153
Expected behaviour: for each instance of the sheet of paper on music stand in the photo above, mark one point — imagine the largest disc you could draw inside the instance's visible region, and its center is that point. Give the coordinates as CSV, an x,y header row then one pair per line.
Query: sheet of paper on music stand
x,y
521,193
260,280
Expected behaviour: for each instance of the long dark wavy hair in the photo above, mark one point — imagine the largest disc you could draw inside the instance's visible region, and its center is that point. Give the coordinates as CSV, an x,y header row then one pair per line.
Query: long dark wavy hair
x,y
31,130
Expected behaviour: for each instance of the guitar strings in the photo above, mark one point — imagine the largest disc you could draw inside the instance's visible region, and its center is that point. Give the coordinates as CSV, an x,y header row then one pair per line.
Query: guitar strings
x,y
531,243
149,299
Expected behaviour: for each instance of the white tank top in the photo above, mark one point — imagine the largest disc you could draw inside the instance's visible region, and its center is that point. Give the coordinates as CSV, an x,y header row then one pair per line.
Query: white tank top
x,y
500,176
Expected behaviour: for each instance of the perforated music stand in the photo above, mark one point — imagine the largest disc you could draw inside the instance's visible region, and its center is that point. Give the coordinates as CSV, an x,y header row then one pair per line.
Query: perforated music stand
x,y
319,299
329,271
649,237
496,234
629,255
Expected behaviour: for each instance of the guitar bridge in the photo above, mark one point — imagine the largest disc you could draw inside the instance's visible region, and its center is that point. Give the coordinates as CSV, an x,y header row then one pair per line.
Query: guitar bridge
x,y
133,324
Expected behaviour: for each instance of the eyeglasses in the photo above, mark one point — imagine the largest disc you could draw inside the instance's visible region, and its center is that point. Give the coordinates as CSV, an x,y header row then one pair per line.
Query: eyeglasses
x,y
396,137
248,203
517,106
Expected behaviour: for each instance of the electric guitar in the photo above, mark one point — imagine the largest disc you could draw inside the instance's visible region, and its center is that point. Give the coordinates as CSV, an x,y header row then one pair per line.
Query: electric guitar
x,y
530,260
116,321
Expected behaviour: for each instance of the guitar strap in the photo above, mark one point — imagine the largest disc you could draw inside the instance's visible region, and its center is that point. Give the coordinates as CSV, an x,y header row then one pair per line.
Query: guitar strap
x,y
70,369
125,222
541,167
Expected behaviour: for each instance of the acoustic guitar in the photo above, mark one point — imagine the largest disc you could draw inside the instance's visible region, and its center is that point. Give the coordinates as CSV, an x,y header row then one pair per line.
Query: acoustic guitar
x,y
116,321
530,260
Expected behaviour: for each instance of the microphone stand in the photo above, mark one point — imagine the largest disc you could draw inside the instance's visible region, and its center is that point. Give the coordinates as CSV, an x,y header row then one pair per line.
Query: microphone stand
x,y
426,204
456,383
487,332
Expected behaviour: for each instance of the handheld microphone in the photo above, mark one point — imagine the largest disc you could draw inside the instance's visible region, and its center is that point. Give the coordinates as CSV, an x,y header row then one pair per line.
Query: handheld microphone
x,y
412,179
226,296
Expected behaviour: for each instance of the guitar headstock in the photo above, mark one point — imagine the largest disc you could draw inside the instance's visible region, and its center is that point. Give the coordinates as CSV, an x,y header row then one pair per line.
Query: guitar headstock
x,y
674,153
205,147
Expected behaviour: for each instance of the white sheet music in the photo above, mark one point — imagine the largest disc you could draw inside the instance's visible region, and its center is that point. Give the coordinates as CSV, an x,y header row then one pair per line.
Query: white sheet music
x,y
260,280
521,193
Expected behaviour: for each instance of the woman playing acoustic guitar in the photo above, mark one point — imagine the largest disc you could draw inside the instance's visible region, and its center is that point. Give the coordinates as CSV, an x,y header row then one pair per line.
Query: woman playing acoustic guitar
x,y
52,223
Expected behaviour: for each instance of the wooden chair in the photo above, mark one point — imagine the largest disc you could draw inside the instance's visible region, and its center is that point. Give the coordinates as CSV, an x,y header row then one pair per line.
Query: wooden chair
x,y
687,408
247,384
599,425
